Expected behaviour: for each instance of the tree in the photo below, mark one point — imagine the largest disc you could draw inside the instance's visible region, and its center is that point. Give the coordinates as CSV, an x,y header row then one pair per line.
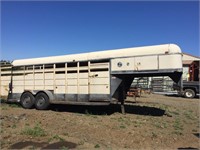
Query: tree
x,y
5,63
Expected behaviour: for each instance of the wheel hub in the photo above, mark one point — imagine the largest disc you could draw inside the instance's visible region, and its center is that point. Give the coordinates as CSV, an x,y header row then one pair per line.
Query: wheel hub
x,y
188,94
27,100
41,101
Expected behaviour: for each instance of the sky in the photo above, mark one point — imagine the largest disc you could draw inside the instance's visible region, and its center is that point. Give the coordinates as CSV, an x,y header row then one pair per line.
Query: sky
x,y
49,28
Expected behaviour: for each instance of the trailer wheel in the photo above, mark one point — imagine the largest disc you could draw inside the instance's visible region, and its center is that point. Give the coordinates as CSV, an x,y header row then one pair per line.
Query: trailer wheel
x,y
42,101
27,100
189,93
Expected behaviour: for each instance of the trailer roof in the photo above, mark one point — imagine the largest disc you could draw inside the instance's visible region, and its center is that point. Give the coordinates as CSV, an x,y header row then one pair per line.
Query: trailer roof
x,y
125,52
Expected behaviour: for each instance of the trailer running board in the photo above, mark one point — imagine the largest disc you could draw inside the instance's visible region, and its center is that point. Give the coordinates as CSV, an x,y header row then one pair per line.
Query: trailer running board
x,y
82,103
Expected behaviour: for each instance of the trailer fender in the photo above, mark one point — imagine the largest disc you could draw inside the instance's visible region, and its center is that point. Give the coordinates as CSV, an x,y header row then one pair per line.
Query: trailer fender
x,y
47,92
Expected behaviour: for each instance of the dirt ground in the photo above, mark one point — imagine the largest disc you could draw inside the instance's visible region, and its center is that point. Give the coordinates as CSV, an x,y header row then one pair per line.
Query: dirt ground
x,y
152,122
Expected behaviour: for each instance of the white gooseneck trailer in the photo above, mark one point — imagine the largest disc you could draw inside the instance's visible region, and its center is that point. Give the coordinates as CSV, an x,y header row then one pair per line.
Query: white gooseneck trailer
x,y
93,78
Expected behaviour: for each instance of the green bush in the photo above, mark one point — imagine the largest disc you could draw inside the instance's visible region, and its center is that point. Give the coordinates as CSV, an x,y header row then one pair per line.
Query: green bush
x,y
36,131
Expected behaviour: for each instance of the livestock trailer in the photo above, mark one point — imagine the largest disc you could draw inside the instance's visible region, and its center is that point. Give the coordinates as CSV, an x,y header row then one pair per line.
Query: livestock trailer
x,y
94,78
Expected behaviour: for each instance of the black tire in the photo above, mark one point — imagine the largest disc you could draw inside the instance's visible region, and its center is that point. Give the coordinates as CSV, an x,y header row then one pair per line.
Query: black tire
x,y
27,100
41,101
189,93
